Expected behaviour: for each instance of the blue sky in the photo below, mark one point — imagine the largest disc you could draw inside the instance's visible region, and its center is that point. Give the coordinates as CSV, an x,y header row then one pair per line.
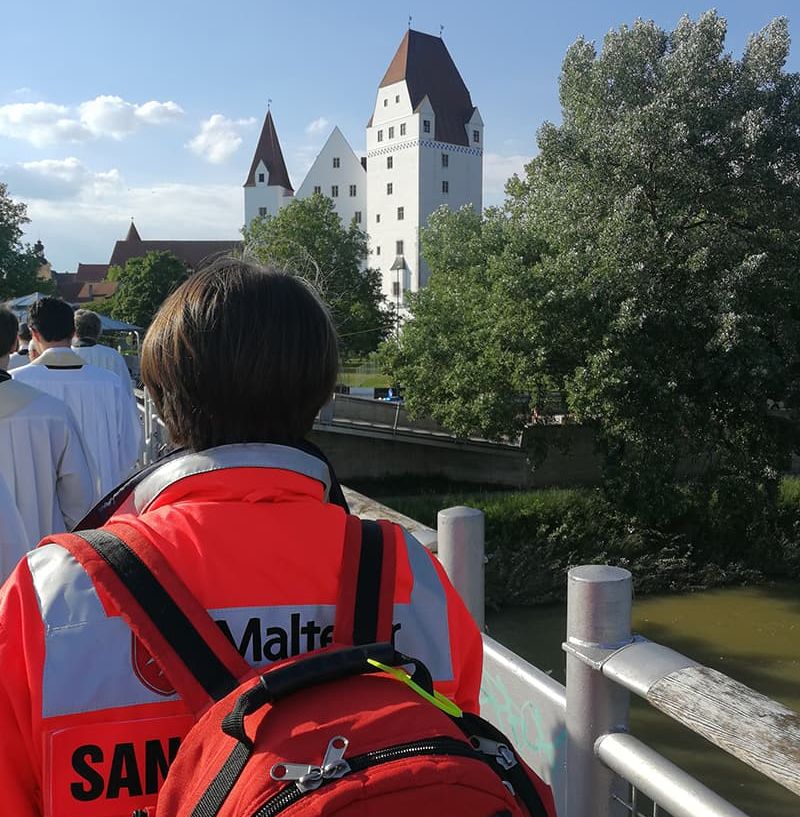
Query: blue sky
x,y
152,109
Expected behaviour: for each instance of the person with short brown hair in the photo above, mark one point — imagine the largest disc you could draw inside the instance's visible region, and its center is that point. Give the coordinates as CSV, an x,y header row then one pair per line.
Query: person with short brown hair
x,y
238,360
88,328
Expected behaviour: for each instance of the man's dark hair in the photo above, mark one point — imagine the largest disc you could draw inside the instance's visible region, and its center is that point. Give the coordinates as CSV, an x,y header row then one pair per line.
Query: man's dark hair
x,y
8,331
240,353
24,332
52,318
87,324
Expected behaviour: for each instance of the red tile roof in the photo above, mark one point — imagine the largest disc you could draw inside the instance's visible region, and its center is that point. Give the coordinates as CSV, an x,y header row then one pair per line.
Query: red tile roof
x,y
192,253
425,64
268,150
92,290
91,272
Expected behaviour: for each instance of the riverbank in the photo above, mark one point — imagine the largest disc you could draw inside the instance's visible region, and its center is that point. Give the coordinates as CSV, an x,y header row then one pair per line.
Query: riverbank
x,y
534,537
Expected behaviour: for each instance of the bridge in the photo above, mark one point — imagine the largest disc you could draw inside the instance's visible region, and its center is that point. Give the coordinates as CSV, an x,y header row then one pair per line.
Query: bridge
x,y
576,736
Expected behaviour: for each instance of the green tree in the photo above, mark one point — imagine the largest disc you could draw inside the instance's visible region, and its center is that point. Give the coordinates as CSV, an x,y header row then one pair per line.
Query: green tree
x,y
666,302
308,238
144,283
18,262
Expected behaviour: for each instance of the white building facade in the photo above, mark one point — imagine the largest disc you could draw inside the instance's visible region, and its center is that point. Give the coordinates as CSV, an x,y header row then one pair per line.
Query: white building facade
x,y
339,174
424,146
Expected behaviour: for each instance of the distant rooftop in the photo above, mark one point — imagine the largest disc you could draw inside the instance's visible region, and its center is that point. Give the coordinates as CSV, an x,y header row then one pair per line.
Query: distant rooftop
x,y
268,150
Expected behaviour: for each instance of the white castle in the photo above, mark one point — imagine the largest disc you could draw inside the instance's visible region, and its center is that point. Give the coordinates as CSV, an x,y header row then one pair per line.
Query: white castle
x,y
424,149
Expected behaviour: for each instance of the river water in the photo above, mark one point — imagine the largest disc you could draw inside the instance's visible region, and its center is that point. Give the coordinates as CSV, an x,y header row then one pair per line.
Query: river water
x,y
751,634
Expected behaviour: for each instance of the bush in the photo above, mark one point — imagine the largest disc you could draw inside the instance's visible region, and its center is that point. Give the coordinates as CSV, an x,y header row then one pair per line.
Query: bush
x,y
533,538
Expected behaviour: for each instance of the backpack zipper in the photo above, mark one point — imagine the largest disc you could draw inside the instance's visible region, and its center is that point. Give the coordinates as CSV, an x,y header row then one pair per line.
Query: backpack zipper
x,y
432,746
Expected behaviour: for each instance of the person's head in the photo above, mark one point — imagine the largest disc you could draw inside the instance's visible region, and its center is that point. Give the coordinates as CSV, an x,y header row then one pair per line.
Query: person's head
x,y
24,333
52,322
8,335
240,353
87,324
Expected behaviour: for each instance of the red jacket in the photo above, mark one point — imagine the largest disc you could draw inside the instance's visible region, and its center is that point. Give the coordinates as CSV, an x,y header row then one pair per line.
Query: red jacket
x,y
88,724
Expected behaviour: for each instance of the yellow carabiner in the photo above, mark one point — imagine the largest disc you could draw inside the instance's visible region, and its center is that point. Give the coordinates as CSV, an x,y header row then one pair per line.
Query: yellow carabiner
x,y
437,699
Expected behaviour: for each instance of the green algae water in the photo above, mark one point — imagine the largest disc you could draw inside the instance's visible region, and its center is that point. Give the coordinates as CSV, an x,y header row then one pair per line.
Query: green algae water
x,y
751,634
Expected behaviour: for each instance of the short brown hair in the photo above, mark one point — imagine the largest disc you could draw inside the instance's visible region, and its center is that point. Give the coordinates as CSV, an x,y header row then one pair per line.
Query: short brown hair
x,y
8,331
87,324
240,353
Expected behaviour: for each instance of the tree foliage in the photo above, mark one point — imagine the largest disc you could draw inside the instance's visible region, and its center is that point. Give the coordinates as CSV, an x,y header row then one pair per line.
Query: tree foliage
x,y
665,303
308,238
19,263
143,284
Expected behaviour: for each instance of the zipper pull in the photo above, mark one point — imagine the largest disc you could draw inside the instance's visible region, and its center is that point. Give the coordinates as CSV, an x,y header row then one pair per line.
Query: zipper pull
x,y
499,751
305,776
333,764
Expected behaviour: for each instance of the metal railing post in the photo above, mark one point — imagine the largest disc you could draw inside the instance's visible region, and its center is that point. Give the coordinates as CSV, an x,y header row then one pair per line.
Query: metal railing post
x,y
598,616
460,548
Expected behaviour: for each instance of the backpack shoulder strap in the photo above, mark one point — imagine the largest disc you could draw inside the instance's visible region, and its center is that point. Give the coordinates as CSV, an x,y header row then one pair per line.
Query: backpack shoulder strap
x,y
161,611
365,604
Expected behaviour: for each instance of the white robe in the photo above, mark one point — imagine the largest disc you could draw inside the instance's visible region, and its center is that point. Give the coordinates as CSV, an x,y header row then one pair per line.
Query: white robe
x,y
16,360
43,461
99,404
106,358
13,539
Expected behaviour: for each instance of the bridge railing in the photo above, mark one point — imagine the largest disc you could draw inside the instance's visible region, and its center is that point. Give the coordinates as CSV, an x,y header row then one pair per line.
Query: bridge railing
x,y
576,737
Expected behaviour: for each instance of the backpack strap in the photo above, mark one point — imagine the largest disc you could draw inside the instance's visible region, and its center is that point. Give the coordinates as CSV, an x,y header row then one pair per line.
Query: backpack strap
x,y
161,611
365,604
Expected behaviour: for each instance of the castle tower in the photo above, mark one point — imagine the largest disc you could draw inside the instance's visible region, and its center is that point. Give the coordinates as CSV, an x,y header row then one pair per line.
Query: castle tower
x,y
424,149
267,187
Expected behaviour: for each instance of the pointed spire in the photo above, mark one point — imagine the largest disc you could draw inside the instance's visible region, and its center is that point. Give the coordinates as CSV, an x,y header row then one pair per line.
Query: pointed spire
x,y
133,233
268,151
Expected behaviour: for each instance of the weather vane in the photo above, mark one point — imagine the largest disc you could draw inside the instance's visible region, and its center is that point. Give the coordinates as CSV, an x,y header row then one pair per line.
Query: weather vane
x,y
409,21
441,31
269,104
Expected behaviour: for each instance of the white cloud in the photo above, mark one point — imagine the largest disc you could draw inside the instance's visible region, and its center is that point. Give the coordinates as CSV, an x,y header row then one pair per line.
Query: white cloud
x,y
45,123
40,123
317,126
57,179
219,138
497,170
113,116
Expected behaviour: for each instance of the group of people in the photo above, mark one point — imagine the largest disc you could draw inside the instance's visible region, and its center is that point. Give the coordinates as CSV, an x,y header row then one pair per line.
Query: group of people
x,y
246,512
69,427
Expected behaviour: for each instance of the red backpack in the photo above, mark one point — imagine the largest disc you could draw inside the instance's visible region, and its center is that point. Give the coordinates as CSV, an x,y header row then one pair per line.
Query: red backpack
x,y
343,730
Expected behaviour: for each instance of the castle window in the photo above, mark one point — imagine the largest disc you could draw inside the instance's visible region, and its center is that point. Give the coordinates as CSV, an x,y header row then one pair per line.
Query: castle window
x,y
380,135
401,213
261,177
391,132
402,128
395,289
336,161
378,250
399,247
317,188
476,136
377,218
397,98
445,160
386,102
389,162
334,191
357,216
352,190
426,125
445,187
262,211
389,189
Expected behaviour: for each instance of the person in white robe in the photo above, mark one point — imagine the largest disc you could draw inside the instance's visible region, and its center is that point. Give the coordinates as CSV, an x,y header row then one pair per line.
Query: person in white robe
x,y
21,357
43,459
13,537
85,343
99,404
